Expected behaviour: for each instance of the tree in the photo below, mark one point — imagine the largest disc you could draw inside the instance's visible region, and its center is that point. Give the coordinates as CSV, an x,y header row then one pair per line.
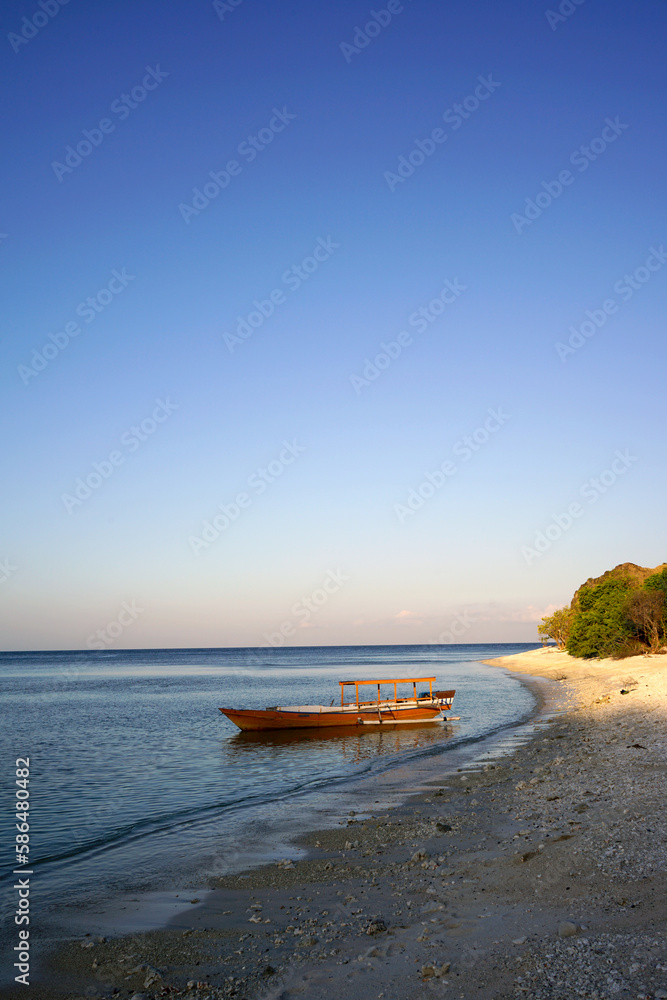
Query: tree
x,y
645,610
658,582
557,626
600,625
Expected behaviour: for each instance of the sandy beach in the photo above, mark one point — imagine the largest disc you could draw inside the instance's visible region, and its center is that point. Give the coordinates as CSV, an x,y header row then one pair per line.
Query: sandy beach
x,y
540,873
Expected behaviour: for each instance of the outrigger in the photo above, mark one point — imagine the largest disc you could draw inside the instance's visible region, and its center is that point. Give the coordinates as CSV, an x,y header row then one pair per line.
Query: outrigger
x,y
427,706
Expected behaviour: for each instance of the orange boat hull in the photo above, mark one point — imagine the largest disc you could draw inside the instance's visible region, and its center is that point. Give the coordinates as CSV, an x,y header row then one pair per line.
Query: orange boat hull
x,y
249,719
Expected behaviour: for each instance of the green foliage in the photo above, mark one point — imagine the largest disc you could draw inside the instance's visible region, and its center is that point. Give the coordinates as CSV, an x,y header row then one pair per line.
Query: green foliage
x,y
621,613
600,625
557,626
657,582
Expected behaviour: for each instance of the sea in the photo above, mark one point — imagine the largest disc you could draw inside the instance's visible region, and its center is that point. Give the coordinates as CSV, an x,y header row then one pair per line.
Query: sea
x,y
138,784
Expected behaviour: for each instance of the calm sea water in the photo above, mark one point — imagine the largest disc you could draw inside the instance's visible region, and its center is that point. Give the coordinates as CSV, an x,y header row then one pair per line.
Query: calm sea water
x,y
138,782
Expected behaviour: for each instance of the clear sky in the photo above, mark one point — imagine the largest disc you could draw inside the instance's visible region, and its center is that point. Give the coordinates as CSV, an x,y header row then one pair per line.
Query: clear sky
x,y
215,216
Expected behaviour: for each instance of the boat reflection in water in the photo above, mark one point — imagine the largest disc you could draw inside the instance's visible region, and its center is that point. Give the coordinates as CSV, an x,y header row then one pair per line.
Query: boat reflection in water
x,y
352,744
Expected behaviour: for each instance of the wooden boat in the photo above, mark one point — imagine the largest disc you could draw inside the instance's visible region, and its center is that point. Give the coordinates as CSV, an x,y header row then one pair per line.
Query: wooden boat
x,y
427,706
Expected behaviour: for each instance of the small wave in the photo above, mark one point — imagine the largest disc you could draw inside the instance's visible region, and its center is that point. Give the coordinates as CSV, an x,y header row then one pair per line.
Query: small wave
x,y
169,823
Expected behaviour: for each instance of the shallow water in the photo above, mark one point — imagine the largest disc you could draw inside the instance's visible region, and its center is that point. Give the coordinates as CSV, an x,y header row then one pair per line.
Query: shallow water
x,y
138,782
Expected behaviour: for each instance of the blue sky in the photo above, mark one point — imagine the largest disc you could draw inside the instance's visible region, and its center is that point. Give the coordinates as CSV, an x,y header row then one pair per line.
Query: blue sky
x,y
581,92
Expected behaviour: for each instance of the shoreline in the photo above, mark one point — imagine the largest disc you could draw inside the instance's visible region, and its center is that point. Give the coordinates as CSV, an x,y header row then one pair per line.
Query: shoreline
x,y
276,824
474,878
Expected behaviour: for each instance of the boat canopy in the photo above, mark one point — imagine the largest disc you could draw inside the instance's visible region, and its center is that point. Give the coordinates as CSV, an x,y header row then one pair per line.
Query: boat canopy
x,y
391,680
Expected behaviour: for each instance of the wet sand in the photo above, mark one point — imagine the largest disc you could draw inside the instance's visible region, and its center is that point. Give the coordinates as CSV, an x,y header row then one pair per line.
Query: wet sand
x,y
537,874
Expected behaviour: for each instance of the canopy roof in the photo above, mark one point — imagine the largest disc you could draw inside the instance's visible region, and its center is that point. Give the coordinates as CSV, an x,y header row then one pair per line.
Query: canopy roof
x,y
390,680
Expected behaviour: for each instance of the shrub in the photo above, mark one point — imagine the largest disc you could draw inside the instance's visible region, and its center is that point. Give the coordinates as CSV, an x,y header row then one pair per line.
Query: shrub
x,y
657,583
601,624
629,647
557,626
621,613
645,612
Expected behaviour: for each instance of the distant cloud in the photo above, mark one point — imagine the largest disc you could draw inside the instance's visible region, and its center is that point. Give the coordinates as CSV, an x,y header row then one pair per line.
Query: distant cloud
x,y
407,618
